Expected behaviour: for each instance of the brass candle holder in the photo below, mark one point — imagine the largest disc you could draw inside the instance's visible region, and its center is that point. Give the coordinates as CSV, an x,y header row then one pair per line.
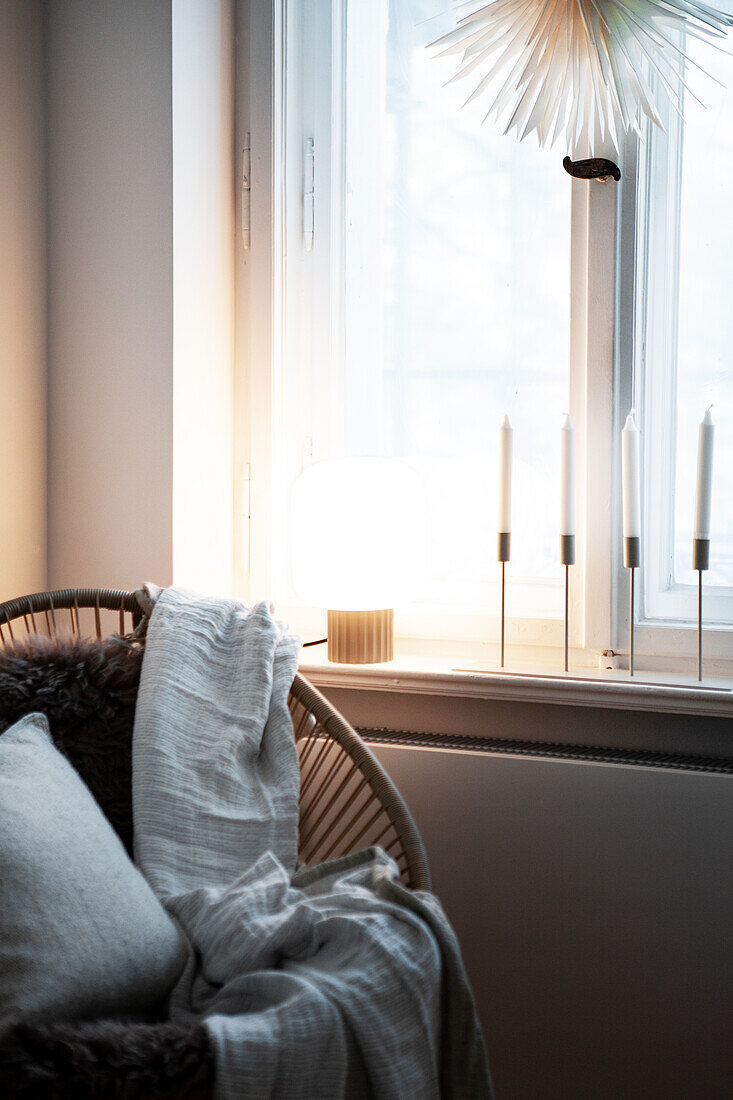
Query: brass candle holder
x,y
632,560
700,562
567,558
503,554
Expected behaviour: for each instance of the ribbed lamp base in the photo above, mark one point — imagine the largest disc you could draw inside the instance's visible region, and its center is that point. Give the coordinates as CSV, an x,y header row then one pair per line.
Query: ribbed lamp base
x,y
360,637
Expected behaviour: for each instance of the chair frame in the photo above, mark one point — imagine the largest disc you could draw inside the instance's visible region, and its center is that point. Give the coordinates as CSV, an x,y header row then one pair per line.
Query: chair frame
x,y
347,800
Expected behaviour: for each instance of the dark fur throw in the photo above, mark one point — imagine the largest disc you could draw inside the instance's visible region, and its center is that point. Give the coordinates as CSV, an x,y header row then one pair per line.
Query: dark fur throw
x,y
92,1061
88,690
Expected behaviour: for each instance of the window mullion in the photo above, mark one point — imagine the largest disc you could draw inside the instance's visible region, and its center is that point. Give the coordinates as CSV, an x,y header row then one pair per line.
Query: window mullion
x,y
593,279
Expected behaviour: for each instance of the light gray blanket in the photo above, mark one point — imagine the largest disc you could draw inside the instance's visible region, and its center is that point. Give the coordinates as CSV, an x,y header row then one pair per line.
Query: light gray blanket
x,y
313,984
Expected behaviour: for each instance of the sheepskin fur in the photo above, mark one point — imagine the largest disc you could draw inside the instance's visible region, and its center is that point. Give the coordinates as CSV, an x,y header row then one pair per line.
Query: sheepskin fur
x,y
88,690
109,1058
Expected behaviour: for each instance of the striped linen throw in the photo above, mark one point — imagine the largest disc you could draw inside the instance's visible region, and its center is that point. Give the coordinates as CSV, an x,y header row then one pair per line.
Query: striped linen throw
x,y
313,984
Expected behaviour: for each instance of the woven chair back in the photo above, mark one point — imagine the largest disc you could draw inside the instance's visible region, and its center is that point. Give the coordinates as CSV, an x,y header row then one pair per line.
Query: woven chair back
x,y
347,800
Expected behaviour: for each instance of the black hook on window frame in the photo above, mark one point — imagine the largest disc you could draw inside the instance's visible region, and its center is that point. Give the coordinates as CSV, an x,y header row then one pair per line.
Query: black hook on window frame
x,y
596,168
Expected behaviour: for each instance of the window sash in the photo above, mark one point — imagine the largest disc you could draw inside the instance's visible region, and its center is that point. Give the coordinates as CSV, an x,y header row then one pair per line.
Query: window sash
x,y
655,318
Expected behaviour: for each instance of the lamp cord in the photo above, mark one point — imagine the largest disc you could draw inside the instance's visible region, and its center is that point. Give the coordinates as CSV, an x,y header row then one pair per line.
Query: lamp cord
x,y
317,641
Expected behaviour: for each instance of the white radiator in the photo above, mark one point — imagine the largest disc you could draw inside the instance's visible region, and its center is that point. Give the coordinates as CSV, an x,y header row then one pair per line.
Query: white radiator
x,y
594,905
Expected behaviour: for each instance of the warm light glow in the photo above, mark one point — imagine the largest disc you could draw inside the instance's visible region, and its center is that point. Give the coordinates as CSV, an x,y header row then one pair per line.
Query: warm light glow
x,y
358,541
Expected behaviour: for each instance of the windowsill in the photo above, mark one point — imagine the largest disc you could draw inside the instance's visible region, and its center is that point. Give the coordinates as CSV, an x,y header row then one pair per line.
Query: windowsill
x,y
538,682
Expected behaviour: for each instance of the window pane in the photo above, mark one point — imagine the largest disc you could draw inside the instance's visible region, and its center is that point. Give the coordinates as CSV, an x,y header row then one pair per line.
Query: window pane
x,y
457,265
705,349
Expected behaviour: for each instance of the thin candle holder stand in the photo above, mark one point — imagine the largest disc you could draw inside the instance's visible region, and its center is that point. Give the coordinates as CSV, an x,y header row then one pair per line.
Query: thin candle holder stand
x,y
632,560
503,554
700,562
567,558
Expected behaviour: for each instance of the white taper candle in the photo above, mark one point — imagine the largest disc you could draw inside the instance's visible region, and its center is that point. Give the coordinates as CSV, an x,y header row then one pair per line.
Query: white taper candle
x,y
704,493
567,477
631,477
506,438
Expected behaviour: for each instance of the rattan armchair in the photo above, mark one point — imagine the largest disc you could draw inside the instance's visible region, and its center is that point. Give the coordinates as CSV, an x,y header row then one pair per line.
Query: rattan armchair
x,y
347,800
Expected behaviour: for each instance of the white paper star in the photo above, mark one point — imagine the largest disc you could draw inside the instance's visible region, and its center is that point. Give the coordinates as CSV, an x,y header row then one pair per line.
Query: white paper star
x,y
578,66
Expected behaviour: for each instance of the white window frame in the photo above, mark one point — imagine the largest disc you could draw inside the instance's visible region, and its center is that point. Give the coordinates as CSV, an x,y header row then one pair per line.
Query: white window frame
x,y
601,347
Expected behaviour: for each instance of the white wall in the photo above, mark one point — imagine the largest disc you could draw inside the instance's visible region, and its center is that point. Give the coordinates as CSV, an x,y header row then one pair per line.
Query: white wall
x,y
22,301
141,238
203,293
110,273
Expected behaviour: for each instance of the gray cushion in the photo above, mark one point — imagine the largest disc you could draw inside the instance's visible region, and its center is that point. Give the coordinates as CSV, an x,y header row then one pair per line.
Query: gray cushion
x,y
81,933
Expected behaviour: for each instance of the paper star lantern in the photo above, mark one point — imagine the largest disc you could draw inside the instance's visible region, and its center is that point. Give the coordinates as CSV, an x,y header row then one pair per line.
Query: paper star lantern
x,y
578,66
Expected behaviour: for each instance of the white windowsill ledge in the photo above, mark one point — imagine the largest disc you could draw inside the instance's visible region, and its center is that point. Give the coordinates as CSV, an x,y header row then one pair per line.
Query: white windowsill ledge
x,y
583,687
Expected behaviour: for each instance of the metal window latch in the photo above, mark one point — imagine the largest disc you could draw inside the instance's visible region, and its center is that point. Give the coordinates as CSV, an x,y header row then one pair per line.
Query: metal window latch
x,y
246,193
608,659
309,177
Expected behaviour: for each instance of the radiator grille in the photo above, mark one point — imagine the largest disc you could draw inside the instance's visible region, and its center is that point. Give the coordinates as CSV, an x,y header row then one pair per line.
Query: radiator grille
x,y
553,750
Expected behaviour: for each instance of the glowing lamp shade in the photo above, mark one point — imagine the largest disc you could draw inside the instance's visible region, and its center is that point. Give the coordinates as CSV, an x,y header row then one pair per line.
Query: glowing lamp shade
x,y
358,548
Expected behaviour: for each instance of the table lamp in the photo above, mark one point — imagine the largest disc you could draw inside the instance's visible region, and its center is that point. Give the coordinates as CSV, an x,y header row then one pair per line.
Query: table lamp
x,y
358,546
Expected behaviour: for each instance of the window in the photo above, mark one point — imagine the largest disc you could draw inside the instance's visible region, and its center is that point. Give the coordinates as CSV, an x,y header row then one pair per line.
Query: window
x,y
685,335
416,275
